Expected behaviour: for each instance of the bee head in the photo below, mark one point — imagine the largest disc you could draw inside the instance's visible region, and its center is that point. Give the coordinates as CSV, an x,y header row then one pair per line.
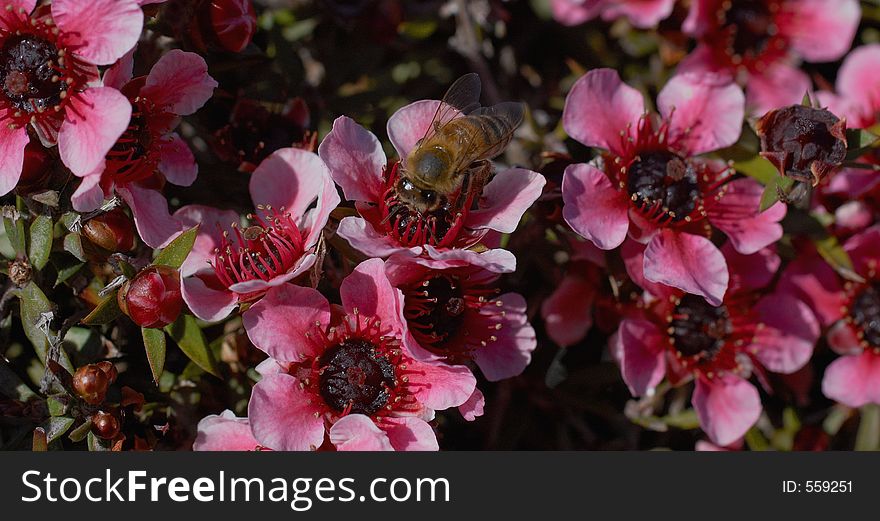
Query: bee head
x,y
421,200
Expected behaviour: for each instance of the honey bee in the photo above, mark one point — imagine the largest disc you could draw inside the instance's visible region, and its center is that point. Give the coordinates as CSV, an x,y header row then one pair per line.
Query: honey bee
x,y
452,160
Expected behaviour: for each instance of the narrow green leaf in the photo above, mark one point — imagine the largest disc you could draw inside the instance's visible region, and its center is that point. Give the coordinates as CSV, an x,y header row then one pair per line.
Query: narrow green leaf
x,y
80,433
11,385
57,405
15,234
127,269
757,168
189,336
176,252
97,444
66,266
105,312
858,142
686,419
33,304
772,189
834,254
154,342
868,435
41,241
73,245
56,426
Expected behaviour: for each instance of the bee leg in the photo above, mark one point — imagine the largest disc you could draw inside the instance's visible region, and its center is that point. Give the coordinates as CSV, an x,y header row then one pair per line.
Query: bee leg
x,y
474,181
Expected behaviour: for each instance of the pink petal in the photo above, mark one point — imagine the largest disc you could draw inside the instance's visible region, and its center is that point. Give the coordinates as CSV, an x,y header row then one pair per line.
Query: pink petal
x,y
811,280
594,208
633,254
851,182
821,30
279,323
700,17
179,82
440,386
511,352
750,272
737,215
641,13
703,60
505,199
149,208
368,291
224,432
282,415
568,311
212,223
641,346
495,260
410,434
864,249
355,159
88,195
575,12
688,262
93,122
357,432
777,86
727,407
853,380
178,164
121,72
410,124
858,80
785,343
12,143
27,6
599,107
101,31
705,112
843,339
363,237
474,407
293,179
208,304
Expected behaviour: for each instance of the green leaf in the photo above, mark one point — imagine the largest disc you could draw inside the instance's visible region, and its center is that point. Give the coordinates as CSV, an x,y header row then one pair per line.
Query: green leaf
x,y
772,189
757,168
41,241
81,432
15,234
176,252
11,385
57,406
56,426
154,342
686,419
33,304
858,142
66,266
105,312
189,336
834,254
128,270
97,444
868,436
73,245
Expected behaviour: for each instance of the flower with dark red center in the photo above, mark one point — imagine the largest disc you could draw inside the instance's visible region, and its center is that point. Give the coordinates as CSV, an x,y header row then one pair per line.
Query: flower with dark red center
x,y
48,59
640,13
759,41
386,224
651,183
351,377
149,152
232,263
803,143
682,337
152,298
851,311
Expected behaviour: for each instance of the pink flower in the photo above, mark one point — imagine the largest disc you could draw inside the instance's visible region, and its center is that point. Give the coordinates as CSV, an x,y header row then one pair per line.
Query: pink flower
x,y
225,432
149,152
852,310
346,374
48,79
640,13
386,225
568,311
230,264
682,337
760,41
651,186
858,100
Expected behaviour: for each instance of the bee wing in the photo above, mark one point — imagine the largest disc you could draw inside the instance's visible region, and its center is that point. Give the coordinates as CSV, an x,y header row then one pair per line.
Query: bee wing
x,y
497,123
462,97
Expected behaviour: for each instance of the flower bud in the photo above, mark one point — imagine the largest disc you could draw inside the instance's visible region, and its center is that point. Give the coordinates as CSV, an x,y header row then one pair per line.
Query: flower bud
x,y
20,272
225,24
152,298
113,231
105,425
37,170
90,382
109,369
803,143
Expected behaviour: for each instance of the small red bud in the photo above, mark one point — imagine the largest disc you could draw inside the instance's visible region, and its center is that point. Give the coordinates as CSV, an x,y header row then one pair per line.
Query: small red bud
x,y
152,298
109,369
112,231
105,425
90,383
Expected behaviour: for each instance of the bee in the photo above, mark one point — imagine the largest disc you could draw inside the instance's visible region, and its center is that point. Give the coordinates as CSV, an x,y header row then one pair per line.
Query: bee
x,y
452,160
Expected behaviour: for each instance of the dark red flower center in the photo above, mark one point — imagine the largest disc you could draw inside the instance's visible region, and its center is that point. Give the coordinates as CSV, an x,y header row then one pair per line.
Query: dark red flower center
x,y
437,307
865,313
699,330
354,376
665,183
269,247
750,24
131,158
31,77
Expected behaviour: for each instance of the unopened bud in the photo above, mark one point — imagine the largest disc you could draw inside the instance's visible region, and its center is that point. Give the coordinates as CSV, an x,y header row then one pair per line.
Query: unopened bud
x,y
113,231
152,298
